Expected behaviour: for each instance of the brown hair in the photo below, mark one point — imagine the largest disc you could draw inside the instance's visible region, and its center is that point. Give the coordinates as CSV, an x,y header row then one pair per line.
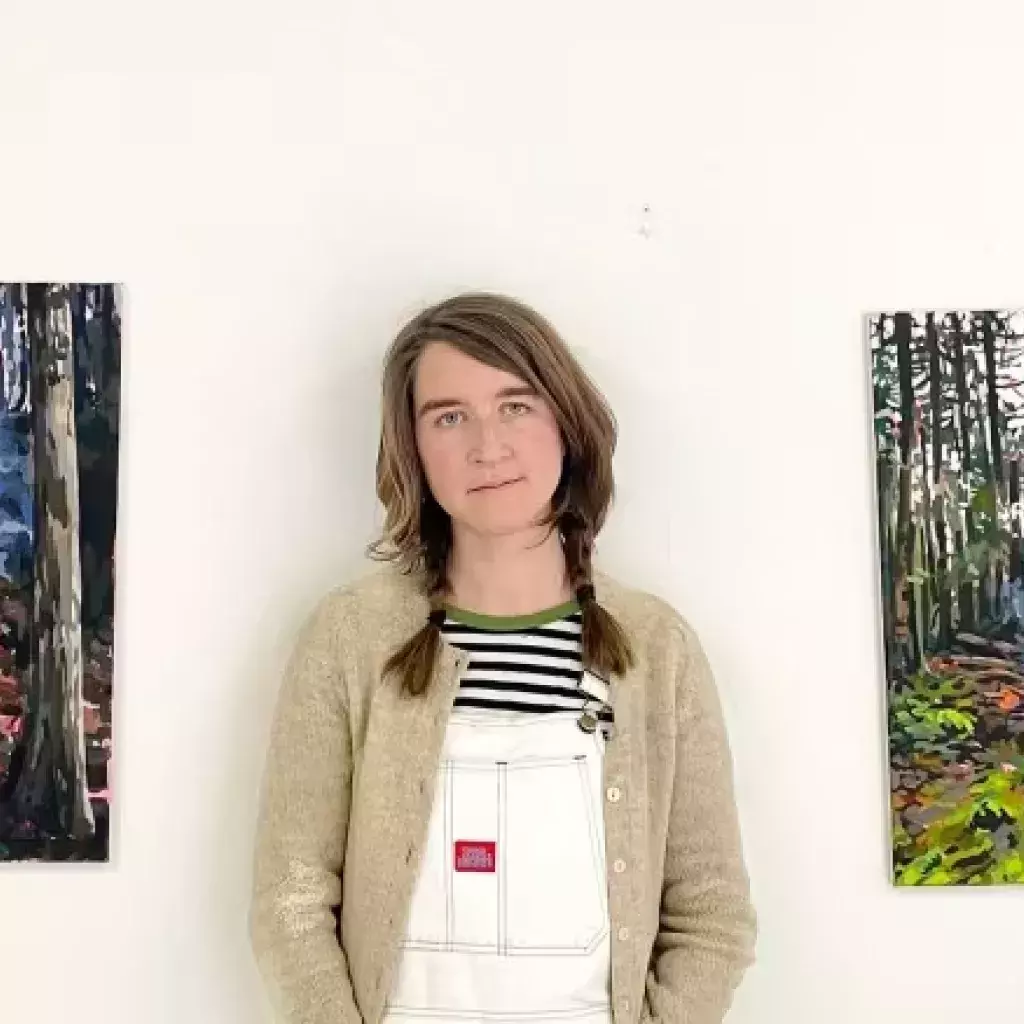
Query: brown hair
x,y
509,335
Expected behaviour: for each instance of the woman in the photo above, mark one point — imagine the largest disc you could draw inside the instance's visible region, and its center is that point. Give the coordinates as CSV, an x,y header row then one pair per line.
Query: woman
x,y
498,785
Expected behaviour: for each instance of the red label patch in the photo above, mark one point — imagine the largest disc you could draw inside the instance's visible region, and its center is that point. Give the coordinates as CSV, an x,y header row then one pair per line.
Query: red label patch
x,y
474,856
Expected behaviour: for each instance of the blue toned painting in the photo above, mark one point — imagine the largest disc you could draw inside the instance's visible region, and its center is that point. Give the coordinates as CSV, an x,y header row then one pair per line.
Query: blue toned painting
x,y
60,358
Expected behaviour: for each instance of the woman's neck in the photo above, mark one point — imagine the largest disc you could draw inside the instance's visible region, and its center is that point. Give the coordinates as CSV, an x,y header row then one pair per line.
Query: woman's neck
x,y
509,575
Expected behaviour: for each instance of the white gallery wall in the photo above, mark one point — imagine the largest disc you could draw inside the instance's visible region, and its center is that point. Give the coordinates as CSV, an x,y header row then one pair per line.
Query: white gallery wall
x,y
707,198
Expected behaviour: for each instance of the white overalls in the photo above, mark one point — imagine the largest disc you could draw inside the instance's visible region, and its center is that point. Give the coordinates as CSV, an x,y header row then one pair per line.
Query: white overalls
x,y
509,918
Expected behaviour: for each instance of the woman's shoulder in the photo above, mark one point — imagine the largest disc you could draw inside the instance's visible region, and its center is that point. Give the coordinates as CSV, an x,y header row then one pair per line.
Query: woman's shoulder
x,y
670,658
373,607
644,614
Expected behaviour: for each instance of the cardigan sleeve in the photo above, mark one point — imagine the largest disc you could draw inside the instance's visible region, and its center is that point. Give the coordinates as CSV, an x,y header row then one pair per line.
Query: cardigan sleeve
x,y
300,837
707,925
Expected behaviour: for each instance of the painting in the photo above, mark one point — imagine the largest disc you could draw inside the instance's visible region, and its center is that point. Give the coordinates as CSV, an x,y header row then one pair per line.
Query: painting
x,y
948,390
60,360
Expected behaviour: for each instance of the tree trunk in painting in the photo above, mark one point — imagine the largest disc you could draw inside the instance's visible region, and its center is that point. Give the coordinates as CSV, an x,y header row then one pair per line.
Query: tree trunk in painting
x,y
965,597
941,558
1015,507
881,378
985,493
906,610
51,789
992,397
995,568
888,573
929,592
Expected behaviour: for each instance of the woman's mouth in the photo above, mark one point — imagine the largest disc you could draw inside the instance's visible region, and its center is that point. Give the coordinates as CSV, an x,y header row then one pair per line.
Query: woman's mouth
x,y
495,487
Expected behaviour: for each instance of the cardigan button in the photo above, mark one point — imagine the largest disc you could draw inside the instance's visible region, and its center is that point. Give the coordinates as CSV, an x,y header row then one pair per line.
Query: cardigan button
x,y
614,793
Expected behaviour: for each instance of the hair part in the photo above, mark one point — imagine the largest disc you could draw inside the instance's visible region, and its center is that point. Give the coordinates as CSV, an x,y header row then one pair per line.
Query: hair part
x,y
417,533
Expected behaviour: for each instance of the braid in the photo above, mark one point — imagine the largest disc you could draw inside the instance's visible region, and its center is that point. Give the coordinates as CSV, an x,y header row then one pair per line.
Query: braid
x,y
414,661
606,647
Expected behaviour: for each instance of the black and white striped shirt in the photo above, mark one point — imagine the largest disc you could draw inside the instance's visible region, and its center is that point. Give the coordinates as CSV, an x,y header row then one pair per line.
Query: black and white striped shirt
x,y
523,663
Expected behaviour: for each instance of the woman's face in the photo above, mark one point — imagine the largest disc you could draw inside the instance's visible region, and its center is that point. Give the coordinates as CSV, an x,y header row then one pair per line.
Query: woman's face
x,y
477,427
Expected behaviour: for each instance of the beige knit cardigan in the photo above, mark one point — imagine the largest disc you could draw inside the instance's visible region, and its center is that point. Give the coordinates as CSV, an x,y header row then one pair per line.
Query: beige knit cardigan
x,y
349,784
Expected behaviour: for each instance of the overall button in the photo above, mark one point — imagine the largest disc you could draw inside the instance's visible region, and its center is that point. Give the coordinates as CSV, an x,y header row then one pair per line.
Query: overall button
x,y
614,793
619,866
623,934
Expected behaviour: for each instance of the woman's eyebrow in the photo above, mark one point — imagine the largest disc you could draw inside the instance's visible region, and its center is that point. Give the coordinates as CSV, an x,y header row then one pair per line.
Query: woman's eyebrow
x,y
520,390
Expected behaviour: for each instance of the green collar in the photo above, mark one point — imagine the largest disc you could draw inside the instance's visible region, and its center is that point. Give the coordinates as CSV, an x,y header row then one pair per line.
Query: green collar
x,y
511,622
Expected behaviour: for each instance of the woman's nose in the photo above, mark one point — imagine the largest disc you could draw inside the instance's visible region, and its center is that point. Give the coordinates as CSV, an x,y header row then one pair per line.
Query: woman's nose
x,y
489,436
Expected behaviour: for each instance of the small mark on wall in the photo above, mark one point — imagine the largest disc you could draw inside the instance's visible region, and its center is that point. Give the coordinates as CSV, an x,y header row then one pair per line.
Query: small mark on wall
x,y
645,221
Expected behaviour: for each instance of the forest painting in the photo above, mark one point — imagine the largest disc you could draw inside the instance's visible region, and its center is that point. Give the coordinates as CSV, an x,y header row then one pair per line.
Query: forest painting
x,y
60,358
948,422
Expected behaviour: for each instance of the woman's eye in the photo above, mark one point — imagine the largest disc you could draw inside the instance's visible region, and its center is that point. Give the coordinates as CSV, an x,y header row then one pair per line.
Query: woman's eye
x,y
519,405
441,420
